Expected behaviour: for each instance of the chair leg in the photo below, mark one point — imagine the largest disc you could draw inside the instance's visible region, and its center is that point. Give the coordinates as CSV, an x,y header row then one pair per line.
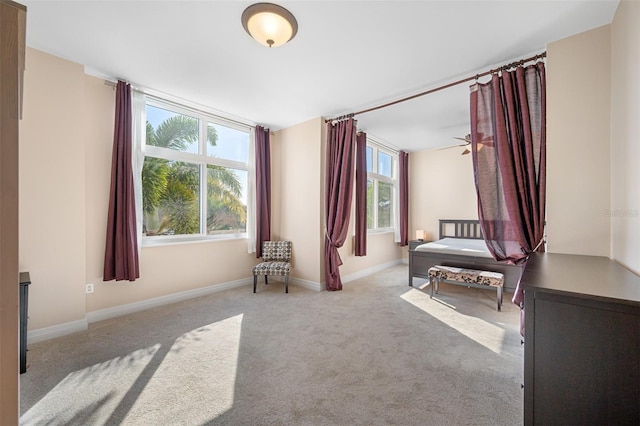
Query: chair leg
x,y
265,279
255,280
286,283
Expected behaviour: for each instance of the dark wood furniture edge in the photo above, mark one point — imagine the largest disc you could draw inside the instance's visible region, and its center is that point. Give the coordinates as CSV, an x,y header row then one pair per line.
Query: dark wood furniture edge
x,y
463,228
546,279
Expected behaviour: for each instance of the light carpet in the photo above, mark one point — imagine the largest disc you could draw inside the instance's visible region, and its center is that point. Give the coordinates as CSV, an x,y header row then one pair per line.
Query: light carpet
x,y
378,352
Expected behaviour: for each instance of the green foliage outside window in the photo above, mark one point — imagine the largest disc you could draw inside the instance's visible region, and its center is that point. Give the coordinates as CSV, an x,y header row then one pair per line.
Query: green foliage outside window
x,y
171,189
385,192
380,188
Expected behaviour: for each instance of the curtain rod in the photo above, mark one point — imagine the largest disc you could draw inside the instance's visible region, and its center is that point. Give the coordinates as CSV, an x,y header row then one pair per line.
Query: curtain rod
x,y
445,86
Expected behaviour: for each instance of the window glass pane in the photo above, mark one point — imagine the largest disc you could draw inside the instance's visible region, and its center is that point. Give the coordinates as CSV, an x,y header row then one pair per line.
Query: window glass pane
x,y
384,164
370,211
170,197
369,159
225,142
168,129
384,204
226,200
203,195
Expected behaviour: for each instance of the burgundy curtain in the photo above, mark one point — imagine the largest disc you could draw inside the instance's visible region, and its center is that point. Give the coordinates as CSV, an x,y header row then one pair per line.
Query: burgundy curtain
x,y
263,188
341,141
403,172
508,141
121,251
361,195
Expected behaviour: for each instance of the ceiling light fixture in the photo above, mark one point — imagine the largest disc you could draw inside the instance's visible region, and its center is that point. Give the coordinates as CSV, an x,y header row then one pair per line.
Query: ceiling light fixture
x,y
269,24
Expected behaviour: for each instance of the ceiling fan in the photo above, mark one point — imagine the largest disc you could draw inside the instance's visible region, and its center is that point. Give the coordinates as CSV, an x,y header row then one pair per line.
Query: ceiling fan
x,y
466,144
482,142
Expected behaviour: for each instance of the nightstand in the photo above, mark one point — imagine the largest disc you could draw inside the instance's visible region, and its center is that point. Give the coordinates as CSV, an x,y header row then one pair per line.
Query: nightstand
x,y
412,246
415,243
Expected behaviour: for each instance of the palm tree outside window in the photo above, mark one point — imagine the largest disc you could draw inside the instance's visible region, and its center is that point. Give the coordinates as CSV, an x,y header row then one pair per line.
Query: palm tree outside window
x,y
194,176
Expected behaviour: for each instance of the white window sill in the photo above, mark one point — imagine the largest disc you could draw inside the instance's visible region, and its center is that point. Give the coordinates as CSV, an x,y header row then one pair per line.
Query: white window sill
x,y
380,231
170,240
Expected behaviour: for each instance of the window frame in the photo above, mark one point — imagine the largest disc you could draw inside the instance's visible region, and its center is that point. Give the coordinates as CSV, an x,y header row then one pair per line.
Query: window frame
x,y
374,176
200,159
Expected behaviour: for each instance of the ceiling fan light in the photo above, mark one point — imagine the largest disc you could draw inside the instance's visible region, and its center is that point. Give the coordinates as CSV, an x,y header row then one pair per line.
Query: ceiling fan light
x,y
269,24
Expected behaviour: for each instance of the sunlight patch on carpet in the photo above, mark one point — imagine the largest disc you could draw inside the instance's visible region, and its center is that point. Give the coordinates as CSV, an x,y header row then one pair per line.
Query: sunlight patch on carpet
x,y
196,380
485,333
92,393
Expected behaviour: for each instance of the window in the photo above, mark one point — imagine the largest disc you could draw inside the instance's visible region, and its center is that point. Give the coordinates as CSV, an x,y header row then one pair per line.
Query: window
x,y
194,175
381,187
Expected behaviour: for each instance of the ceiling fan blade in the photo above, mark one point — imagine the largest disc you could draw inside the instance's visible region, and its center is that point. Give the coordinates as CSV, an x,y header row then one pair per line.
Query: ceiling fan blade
x,y
452,146
465,152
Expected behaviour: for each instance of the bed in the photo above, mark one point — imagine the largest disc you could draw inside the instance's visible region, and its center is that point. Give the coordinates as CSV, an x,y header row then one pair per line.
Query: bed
x,y
460,244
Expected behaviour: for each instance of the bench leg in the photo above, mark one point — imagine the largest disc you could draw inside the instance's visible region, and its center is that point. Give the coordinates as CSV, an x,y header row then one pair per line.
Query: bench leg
x,y
499,297
434,284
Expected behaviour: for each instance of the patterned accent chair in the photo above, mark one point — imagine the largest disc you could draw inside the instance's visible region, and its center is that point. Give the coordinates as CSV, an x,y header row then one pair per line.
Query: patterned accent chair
x,y
276,256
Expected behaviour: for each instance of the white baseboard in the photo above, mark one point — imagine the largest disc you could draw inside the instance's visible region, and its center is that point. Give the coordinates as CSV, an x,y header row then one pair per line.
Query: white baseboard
x,y
142,305
351,277
58,330
311,285
363,273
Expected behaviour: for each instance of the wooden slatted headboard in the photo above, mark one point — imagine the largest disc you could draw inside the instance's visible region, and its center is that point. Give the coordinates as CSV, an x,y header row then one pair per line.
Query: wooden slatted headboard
x,y
454,228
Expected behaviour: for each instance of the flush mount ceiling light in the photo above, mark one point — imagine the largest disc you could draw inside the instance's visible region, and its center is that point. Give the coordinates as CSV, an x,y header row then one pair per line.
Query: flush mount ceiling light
x,y
269,24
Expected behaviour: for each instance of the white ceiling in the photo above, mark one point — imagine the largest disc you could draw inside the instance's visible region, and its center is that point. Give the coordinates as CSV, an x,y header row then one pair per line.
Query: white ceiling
x,y
347,55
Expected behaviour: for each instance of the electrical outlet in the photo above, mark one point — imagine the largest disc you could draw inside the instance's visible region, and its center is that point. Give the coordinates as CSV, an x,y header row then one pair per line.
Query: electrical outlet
x,y
89,288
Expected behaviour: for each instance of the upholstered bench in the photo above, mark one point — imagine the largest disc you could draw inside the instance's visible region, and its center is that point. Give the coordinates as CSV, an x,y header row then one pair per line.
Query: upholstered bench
x,y
466,277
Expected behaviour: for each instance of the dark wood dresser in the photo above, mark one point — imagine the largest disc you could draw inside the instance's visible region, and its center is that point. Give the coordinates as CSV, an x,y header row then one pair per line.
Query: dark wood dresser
x,y
582,341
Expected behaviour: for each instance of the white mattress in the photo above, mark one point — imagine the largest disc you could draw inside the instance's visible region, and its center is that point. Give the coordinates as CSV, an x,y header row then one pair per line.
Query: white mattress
x,y
461,246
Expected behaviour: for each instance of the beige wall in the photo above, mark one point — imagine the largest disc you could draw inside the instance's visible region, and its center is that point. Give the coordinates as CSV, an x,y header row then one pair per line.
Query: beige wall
x,y
52,189
65,161
441,186
298,165
382,251
296,155
164,270
99,108
625,135
578,144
